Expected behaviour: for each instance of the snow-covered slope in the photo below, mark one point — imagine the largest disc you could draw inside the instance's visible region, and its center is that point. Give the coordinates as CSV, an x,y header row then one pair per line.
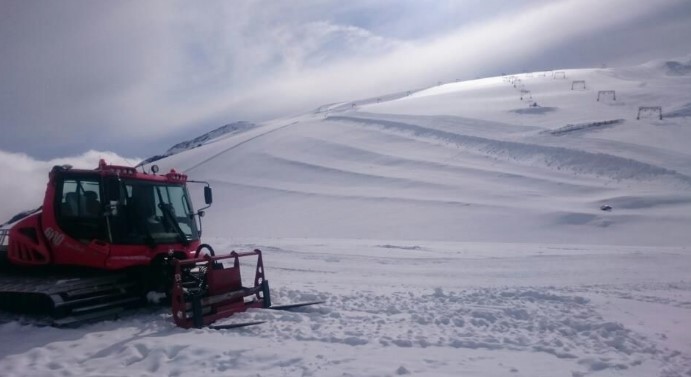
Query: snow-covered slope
x,y
521,158
452,231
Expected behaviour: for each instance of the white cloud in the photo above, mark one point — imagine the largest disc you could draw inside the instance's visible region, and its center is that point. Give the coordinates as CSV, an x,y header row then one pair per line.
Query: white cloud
x,y
488,46
123,75
24,179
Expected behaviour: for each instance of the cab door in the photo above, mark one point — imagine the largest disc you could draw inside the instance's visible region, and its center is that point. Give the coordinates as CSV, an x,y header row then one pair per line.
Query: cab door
x,y
80,217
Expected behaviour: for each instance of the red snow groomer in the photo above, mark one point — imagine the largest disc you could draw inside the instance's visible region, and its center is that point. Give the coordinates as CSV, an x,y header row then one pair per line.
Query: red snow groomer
x,y
105,239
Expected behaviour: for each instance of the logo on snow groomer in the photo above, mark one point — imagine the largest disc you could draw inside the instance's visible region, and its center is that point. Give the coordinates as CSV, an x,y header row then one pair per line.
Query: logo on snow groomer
x,y
54,236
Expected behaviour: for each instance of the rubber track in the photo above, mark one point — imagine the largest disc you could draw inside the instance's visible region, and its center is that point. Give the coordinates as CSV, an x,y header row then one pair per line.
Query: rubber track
x,y
66,299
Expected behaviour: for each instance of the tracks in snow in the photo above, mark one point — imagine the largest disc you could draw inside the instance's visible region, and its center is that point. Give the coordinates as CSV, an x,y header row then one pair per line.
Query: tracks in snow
x,y
578,162
558,322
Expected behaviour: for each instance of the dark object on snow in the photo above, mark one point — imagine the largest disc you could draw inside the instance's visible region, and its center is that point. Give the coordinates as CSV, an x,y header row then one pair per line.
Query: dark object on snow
x,y
606,207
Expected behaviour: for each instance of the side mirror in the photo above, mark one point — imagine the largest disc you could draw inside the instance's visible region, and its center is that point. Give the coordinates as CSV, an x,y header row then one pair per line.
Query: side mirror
x,y
208,196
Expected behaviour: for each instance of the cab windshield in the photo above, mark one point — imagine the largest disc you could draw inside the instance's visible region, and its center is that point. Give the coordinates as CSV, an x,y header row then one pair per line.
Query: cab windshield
x,y
152,213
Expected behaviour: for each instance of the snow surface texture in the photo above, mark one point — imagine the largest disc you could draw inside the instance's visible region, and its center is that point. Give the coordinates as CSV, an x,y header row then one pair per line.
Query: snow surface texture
x,y
451,231
396,308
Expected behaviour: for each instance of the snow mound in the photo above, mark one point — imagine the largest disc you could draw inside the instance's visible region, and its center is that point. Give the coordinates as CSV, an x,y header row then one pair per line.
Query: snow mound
x,y
536,110
674,68
683,111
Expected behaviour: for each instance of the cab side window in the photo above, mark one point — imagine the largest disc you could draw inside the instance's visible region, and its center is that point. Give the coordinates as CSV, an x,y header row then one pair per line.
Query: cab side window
x,y
80,213
80,198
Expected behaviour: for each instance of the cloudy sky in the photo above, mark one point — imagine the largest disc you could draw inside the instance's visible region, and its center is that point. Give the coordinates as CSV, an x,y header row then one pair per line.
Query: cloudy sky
x,y
135,77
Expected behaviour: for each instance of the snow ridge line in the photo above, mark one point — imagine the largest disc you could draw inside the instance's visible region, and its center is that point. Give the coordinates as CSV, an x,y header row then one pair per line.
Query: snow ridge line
x,y
204,161
326,169
558,158
384,177
443,202
583,127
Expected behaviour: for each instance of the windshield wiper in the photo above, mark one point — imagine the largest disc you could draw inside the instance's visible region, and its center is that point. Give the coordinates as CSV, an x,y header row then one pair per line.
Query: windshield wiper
x,y
167,210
